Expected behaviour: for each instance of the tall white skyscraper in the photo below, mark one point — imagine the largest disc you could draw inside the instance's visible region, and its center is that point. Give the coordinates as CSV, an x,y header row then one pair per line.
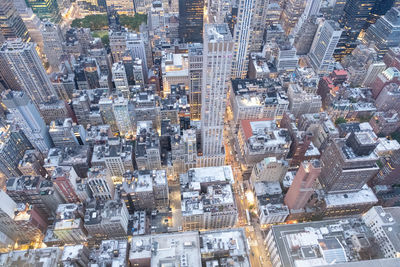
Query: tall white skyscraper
x,y
217,62
241,36
28,118
323,46
52,43
248,34
21,63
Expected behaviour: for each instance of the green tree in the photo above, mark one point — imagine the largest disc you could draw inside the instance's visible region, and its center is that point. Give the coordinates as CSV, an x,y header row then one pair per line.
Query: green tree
x,y
100,21
340,120
105,40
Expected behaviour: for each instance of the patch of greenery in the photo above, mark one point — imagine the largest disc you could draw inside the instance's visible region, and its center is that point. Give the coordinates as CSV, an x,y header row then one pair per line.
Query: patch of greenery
x,y
134,22
94,22
100,22
340,120
103,35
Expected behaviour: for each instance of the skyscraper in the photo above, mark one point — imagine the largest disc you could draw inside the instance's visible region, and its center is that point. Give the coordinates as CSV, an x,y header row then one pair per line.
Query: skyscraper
x,y
323,46
191,20
52,43
241,37
353,20
258,24
195,79
13,146
217,60
45,9
11,24
23,69
385,33
28,118
302,186
292,13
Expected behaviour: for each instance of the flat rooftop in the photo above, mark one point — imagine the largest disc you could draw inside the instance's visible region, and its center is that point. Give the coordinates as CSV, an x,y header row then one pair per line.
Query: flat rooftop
x,y
174,249
364,196
304,244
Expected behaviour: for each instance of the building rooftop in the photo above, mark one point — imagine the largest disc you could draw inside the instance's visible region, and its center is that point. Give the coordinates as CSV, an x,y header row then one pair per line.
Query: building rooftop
x,y
364,196
318,243
110,253
231,243
175,249
208,175
217,32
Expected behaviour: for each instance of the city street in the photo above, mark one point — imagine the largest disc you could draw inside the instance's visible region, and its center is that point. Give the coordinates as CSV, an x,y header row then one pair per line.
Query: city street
x,y
258,256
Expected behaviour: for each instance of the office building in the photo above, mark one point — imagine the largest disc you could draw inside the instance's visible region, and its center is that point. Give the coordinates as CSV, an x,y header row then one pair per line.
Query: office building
x,y
106,219
138,48
122,117
100,184
12,25
32,191
175,70
45,9
385,33
32,164
372,73
222,247
301,102
148,149
52,43
257,99
323,47
145,190
56,110
302,186
258,139
14,143
291,14
112,252
353,20
195,59
217,60
269,170
170,249
68,226
66,133
207,198
119,78
322,243
241,37
78,157
191,21
21,63
28,118
64,179
354,166
116,155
